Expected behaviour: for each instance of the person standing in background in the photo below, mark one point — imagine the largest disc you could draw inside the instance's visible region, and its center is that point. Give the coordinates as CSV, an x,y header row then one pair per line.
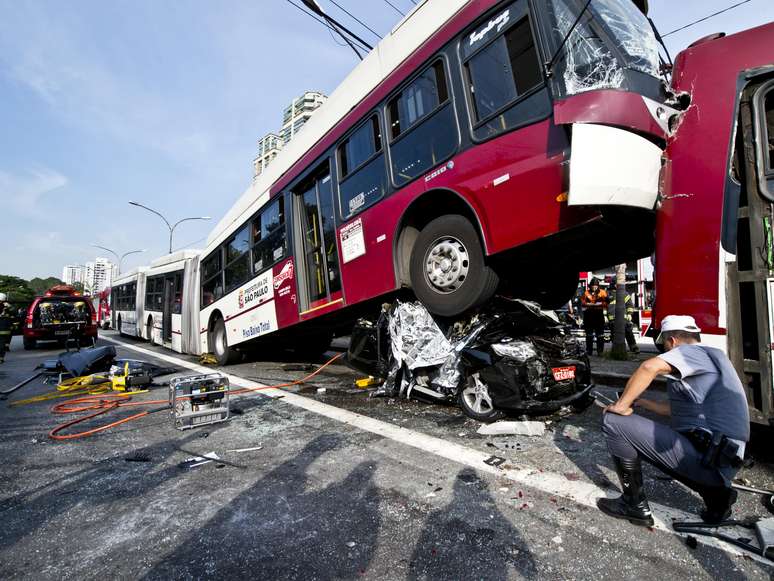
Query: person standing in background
x,y
594,302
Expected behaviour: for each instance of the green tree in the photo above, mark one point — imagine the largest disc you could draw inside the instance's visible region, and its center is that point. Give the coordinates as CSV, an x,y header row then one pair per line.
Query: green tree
x,y
41,285
16,289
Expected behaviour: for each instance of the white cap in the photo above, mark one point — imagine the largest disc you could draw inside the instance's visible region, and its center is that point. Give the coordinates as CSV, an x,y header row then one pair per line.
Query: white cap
x,y
677,323
3,297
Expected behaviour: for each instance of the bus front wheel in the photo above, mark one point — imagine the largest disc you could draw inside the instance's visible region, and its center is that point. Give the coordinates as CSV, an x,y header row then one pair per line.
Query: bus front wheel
x,y
447,269
219,344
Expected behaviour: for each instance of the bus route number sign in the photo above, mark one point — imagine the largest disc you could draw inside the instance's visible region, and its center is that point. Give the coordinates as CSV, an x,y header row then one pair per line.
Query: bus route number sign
x,y
352,241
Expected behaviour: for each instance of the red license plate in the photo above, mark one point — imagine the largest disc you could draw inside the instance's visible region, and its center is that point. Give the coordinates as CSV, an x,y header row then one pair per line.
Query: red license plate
x,y
563,373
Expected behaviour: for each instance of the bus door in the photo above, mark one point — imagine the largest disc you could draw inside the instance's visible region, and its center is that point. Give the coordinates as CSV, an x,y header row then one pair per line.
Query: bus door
x,y
751,276
318,257
166,317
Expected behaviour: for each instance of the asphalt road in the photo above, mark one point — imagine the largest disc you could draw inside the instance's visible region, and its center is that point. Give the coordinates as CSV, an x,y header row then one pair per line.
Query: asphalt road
x,y
344,486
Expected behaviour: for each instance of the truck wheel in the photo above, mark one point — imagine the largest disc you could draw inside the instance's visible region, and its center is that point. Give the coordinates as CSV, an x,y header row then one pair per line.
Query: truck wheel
x,y
219,344
447,269
29,344
475,401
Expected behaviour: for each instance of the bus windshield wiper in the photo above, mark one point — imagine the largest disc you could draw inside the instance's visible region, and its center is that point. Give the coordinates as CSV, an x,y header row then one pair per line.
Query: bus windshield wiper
x,y
549,65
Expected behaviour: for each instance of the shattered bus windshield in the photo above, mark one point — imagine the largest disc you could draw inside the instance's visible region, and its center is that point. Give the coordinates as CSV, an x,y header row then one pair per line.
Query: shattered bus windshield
x,y
612,36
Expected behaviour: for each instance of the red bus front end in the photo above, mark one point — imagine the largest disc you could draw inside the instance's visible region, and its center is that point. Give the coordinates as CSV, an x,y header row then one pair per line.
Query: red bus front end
x,y
713,237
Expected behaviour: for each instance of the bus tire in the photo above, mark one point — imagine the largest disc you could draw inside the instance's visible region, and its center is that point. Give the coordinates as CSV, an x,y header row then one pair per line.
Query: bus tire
x,y
219,344
447,269
149,330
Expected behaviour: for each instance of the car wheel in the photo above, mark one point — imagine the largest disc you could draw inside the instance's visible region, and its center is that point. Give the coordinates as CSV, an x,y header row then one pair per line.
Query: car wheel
x,y
476,402
29,344
447,269
219,344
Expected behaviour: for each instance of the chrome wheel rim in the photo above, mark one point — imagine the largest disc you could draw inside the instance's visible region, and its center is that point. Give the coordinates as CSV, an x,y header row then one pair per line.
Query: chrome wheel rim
x,y
476,396
447,263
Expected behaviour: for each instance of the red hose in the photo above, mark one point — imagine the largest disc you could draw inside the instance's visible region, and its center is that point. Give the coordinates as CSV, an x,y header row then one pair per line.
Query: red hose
x,y
108,402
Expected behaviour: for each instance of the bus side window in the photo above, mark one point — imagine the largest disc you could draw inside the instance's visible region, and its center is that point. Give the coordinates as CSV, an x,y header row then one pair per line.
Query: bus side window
x,y
499,75
237,269
362,178
212,278
422,125
269,237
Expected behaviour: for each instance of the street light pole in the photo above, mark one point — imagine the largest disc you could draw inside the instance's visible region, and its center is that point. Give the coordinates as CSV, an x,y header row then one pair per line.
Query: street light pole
x,y
119,258
170,226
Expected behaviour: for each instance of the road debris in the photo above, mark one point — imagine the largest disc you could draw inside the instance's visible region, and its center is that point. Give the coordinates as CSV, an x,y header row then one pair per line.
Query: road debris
x,y
526,428
240,450
515,446
196,461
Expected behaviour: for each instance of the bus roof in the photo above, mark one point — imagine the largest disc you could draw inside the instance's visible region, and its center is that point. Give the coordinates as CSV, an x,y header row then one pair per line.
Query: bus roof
x,y
407,36
179,256
129,276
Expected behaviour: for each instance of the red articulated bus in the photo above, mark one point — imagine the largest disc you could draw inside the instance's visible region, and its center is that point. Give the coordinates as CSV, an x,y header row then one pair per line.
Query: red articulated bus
x,y
714,249
479,140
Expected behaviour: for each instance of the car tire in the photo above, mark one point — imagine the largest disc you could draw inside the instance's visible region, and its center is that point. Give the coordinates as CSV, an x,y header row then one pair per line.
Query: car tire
x,y
475,401
29,344
219,344
447,269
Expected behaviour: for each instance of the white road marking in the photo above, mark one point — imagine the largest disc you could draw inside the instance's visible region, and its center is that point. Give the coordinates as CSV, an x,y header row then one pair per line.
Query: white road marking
x,y
548,482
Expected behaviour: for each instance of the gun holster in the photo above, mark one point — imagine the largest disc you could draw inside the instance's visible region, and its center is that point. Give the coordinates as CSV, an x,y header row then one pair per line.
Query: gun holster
x,y
717,449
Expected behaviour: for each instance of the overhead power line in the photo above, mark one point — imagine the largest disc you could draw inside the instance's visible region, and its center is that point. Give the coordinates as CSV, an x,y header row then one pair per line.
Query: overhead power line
x,y
705,18
357,40
398,10
355,18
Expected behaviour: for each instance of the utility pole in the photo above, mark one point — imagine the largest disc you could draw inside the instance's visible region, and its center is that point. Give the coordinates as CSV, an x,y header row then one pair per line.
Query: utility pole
x,y
170,226
119,258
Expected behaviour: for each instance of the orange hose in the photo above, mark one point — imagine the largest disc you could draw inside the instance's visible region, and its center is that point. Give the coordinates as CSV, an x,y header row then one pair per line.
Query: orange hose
x,y
106,403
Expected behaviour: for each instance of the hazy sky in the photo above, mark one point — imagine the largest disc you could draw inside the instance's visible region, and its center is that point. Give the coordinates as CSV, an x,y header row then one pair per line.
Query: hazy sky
x,y
103,101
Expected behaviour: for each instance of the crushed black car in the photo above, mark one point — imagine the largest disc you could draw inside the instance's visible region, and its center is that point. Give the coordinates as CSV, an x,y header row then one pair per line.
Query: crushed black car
x,y
509,356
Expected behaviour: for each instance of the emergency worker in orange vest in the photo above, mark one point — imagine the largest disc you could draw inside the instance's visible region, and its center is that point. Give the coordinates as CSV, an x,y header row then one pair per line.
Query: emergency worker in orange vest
x,y
594,302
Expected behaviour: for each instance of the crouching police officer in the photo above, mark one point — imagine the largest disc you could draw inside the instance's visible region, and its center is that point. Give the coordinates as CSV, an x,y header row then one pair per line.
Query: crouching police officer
x,y
704,444
6,324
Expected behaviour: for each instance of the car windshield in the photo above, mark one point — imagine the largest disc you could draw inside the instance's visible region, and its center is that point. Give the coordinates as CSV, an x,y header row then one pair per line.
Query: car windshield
x,y
588,60
56,311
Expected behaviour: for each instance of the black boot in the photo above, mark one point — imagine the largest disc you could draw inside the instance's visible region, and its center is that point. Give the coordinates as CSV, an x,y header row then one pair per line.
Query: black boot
x,y
589,345
632,504
718,500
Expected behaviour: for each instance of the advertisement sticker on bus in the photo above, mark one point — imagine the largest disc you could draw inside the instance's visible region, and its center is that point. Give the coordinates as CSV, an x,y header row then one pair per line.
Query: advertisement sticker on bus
x,y
283,279
352,241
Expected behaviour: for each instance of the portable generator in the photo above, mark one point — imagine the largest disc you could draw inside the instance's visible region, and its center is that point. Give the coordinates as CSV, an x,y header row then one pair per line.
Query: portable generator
x,y
197,400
